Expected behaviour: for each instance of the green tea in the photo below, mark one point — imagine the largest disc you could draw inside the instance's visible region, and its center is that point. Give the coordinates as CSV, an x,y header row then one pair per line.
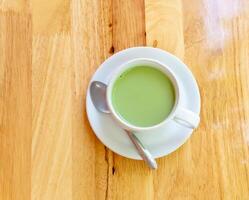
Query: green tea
x,y
143,96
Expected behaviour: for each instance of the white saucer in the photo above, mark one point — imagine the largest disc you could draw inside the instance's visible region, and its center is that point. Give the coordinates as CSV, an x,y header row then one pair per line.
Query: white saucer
x,y
162,141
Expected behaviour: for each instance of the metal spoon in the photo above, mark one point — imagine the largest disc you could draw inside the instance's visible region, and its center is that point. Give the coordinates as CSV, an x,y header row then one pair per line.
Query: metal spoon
x,y
98,96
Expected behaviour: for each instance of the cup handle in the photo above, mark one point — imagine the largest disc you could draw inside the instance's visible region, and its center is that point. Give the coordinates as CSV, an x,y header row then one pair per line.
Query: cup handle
x,y
187,118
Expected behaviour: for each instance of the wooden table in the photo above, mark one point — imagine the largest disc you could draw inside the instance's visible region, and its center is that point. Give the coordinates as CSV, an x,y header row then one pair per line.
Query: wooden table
x,y
48,52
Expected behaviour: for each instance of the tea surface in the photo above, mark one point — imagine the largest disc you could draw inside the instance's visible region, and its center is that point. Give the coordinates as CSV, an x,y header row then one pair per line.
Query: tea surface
x,y
143,96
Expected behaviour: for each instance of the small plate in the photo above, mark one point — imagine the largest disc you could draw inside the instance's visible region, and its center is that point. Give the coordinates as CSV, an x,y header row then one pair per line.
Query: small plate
x,y
162,141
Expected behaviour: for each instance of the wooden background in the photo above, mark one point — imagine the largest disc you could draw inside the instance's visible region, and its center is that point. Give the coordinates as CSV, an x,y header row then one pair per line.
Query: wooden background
x,y
49,49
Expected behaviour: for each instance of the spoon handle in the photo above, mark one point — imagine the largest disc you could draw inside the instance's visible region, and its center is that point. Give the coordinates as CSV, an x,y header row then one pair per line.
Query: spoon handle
x,y
143,152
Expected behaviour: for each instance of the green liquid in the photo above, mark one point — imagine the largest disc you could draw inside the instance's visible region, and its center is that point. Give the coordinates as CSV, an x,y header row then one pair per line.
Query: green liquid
x,y
143,96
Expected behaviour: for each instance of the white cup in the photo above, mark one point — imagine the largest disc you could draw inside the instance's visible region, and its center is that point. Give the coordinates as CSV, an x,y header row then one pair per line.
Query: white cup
x,y
179,114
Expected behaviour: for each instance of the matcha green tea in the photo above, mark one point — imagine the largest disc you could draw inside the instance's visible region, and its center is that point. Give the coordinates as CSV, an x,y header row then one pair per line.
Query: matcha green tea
x,y
143,96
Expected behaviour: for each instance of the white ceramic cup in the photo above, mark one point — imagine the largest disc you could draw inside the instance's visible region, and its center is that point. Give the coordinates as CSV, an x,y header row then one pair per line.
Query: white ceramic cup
x,y
179,114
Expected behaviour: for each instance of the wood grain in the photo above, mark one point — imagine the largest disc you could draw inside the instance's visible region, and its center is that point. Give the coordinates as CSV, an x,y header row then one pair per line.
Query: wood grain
x,y
220,69
51,118
164,25
14,5
50,17
15,105
93,32
51,100
48,52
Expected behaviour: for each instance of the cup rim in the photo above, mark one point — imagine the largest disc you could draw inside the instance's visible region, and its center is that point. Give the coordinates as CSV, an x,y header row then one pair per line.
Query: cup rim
x,y
125,66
